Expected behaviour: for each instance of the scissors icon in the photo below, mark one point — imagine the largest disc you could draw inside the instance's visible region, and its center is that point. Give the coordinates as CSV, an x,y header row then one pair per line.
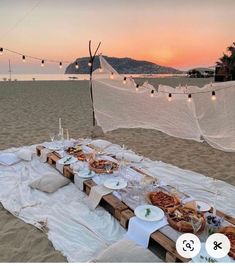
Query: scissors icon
x,y
217,245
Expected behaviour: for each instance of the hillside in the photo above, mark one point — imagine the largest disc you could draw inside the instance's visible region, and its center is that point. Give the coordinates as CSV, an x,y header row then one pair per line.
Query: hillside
x,y
123,66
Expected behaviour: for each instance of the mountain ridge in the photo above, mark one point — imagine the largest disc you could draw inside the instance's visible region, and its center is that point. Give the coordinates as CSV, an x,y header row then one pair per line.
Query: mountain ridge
x,y
123,65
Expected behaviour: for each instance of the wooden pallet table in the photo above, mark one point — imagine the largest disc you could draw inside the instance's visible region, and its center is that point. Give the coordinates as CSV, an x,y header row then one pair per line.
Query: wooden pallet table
x,y
123,213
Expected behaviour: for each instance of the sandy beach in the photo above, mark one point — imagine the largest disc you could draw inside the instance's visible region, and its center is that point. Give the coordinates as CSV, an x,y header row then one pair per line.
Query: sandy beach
x,y
30,111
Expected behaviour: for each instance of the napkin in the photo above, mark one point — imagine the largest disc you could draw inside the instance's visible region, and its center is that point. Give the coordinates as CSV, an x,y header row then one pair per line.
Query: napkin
x,y
78,181
43,156
140,231
96,194
60,167
8,159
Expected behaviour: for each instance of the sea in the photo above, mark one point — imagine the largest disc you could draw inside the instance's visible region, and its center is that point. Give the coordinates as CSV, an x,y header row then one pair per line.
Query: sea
x,y
30,77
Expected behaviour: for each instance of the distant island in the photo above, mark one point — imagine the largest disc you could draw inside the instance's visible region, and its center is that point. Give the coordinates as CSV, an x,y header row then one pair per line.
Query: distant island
x,y
123,66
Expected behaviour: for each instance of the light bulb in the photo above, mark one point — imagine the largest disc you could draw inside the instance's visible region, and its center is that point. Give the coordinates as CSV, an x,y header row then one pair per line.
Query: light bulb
x,y
189,98
23,59
61,65
42,63
137,87
89,63
169,97
124,80
111,76
1,51
213,96
100,70
152,93
76,65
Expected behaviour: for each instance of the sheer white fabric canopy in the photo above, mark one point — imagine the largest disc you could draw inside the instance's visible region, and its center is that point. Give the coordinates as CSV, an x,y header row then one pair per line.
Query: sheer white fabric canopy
x,y
120,103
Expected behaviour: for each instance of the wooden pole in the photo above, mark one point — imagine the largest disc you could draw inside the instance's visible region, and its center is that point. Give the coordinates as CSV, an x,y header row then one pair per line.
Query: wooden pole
x,y
91,62
9,62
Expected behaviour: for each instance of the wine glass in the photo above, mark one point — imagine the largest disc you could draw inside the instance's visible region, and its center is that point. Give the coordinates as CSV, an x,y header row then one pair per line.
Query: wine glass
x,y
88,157
108,167
52,136
196,224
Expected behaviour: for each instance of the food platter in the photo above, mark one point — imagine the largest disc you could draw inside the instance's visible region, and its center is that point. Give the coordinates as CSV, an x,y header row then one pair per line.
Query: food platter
x,y
100,166
229,231
81,157
74,150
149,213
162,199
180,218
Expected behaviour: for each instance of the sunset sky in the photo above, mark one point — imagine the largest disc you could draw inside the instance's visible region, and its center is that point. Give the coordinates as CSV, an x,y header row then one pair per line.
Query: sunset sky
x,y
176,33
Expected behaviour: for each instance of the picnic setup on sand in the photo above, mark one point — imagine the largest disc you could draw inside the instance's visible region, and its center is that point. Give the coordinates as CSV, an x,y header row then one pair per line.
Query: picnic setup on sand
x,y
101,202
96,200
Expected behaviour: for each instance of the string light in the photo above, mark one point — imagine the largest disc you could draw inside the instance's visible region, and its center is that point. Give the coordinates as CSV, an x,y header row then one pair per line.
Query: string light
x,y
213,96
112,76
124,80
89,63
169,97
24,57
152,93
137,87
76,65
42,63
189,98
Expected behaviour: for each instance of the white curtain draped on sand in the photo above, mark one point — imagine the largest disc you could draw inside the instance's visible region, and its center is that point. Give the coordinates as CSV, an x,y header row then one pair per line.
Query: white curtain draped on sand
x,y
119,105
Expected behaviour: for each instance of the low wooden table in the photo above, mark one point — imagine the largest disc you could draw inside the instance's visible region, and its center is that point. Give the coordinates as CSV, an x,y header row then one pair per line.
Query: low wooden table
x,y
123,213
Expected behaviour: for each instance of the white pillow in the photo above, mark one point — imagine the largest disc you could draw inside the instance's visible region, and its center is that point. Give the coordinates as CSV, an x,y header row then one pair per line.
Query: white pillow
x,y
8,159
128,156
50,182
126,250
24,154
100,143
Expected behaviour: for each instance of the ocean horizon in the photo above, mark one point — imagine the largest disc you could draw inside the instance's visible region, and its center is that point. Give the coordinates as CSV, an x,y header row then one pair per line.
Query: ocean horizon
x,y
31,77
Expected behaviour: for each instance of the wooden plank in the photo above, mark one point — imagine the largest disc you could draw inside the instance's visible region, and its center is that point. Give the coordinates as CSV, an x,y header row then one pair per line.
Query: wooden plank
x,y
125,217
170,257
226,217
167,244
52,159
38,150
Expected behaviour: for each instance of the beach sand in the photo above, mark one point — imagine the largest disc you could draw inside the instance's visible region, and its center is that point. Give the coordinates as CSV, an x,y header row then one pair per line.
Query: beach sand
x,y
30,110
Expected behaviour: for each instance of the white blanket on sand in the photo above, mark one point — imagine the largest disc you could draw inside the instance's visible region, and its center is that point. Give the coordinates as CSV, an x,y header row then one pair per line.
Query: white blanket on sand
x,y
79,233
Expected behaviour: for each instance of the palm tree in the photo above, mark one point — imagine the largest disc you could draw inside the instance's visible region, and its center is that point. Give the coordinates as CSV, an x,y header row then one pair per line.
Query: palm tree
x,y
227,63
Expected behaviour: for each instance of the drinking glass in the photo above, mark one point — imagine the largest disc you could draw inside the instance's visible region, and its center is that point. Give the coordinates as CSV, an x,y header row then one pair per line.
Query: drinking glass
x,y
108,167
52,136
196,224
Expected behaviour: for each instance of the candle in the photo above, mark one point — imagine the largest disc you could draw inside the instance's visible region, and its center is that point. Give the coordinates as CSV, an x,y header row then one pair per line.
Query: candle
x,y
67,134
59,124
62,133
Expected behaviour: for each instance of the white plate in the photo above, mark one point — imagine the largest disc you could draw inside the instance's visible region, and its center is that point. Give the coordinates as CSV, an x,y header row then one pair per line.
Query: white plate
x,y
54,147
85,174
203,206
156,214
115,183
65,160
